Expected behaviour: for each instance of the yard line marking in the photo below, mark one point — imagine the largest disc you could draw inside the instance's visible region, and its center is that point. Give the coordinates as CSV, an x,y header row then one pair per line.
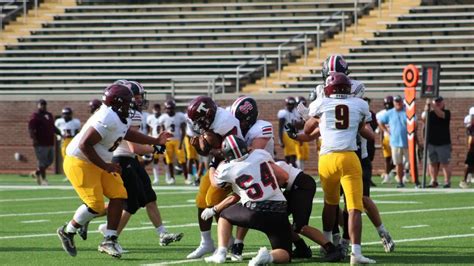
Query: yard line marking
x,y
38,199
68,187
395,202
34,221
414,226
317,247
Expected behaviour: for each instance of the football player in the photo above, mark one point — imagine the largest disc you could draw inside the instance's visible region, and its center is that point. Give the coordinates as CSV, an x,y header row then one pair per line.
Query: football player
x,y
301,147
192,159
155,129
385,140
288,115
262,204
68,126
94,104
216,122
175,123
340,117
89,168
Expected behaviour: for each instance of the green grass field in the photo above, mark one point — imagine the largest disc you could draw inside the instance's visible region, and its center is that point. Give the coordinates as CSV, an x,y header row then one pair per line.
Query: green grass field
x,y
430,227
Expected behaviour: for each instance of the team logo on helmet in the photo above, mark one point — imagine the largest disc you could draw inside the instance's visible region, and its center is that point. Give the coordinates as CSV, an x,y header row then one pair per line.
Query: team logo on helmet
x,y
246,107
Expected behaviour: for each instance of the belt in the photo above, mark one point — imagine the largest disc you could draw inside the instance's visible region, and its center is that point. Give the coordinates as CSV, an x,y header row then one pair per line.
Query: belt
x,y
267,206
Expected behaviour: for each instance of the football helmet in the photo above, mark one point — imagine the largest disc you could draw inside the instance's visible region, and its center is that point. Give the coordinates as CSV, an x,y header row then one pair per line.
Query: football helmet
x,y
138,89
388,102
202,111
66,110
119,99
290,103
94,105
170,106
337,84
301,99
334,63
246,111
234,147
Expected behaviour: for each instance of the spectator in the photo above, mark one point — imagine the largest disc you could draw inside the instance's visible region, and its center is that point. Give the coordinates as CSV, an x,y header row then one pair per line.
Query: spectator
x,y
41,128
468,118
439,141
396,119
385,140
469,168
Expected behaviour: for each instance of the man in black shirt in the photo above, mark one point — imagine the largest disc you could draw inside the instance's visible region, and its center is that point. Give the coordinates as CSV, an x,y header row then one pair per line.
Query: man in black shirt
x,y
439,141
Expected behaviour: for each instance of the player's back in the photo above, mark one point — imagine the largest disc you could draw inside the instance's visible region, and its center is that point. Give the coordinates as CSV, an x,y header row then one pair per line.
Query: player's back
x,y
261,129
225,124
339,122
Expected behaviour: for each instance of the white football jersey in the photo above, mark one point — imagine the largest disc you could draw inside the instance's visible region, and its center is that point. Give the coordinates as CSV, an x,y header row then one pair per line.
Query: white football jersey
x,y
112,130
292,172
339,121
224,122
253,178
152,122
290,117
143,127
68,128
173,124
261,129
123,149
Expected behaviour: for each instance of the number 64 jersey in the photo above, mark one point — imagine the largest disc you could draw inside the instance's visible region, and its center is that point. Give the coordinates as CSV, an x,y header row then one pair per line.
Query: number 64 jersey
x,y
253,178
339,121
112,130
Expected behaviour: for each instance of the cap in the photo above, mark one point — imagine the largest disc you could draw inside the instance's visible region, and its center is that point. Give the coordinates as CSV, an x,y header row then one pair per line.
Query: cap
x,y
398,98
42,101
438,99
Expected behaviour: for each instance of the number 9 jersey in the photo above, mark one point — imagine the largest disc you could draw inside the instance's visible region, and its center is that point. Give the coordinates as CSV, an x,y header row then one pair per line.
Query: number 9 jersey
x,y
339,121
112,130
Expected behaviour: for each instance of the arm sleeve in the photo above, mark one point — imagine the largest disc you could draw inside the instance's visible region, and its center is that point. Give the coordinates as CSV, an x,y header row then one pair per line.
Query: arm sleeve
x,y
221,174
315,108
264,131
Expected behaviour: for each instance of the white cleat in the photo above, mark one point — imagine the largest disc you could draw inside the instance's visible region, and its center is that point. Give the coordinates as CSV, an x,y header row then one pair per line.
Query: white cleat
x,y
170,181
361,260
387,242
386,179
263,257
200,251
188,181
463,184
101,229
217,257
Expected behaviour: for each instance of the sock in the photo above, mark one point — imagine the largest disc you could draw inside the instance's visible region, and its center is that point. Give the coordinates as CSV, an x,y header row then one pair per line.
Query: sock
x,y
238,241
270,258
356,249
189,177
300,244
381,229
206,237
328,235
84,214
109,233
160,230
167,172
221,250
156,173
70,228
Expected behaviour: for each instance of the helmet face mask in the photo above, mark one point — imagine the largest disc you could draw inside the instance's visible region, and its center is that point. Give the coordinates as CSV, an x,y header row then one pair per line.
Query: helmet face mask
x,y
234,148
170,107
388,102
334,63
246,111
119,99
290,103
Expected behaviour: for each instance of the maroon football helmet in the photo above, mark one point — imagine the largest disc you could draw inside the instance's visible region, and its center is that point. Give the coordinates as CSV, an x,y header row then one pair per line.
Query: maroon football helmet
x,y
202,111
388,102
119,98
337,84
94,105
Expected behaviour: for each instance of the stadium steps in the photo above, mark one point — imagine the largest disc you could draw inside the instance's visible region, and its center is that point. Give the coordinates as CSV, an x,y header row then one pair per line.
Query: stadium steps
x,y
21,28
336,45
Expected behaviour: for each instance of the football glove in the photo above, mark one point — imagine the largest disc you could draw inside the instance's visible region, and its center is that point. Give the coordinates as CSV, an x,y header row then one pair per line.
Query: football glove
x,y
303,111
160,149
208,213
291,131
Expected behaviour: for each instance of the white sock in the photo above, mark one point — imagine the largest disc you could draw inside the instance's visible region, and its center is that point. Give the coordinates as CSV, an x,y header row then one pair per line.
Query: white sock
x,y
328,235
161,230
83,215
381,229
189,177
356,249
222,250
238,241
270,258
167,172
156,173
206,237
70,228
110,232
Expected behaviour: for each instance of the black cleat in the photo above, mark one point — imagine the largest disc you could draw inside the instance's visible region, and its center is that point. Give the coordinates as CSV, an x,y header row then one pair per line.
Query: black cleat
x,y
236,252
334,255
111,247
304,253
82,231
67,241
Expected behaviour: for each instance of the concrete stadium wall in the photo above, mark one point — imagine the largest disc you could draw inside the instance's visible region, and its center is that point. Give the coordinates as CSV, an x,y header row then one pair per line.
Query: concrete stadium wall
x,y
15,115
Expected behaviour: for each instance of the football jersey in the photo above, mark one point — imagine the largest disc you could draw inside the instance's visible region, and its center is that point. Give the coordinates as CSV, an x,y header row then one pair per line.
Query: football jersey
x,y
290,117
252,179
152,122
69,128
123,149
110,127
261,129
143,127
172,124
224,122
339,121
292,172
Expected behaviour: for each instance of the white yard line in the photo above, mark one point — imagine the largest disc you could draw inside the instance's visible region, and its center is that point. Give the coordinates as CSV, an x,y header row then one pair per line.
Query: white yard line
x,y
37,199
414,226
68,187
34,221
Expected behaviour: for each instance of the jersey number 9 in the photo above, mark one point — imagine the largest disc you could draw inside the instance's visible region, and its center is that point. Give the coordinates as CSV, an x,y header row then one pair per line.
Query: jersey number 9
x,y
342,116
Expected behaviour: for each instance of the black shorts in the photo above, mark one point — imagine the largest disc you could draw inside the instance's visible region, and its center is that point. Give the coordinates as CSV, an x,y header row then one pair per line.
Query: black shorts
x,y
300,200
137,183
470,158
366,175
274,224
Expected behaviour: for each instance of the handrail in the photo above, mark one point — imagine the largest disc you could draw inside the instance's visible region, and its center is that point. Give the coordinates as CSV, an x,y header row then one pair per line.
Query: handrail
x,y
211,84
305,49
237,71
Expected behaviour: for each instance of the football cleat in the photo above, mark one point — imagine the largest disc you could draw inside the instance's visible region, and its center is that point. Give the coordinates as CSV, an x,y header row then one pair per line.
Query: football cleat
x,y
217,257
200,251
170,180
304,253
188,181
67,241
110,246
263,257
387,242
433,184
82,231
344,246
359,259
463,184
236,252
335,255
448,185
167,238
